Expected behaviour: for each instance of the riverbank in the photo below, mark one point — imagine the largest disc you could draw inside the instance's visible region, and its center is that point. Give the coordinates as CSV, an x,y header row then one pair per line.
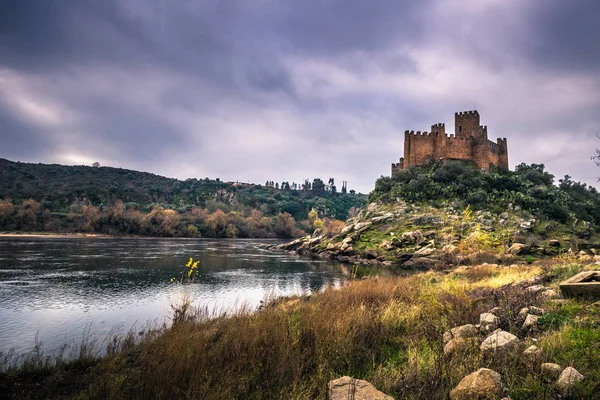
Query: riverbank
x,y
55,235
388,331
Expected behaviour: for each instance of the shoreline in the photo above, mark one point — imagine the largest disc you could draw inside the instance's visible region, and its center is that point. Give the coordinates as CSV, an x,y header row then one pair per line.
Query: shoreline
x,y
57,235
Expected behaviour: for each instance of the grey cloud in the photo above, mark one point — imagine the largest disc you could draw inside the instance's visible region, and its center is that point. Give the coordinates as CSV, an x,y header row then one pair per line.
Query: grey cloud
x,y
283,90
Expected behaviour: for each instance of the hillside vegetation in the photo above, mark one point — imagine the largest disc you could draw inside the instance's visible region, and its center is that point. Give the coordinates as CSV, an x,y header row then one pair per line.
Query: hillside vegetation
x,y
40,197
452,213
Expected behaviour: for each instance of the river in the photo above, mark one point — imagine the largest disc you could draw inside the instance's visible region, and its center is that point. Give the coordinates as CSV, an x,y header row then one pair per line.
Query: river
x,y
55,291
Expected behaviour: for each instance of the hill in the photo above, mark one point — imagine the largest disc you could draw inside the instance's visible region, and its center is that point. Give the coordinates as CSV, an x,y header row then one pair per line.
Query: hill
x,y
114,200
453,213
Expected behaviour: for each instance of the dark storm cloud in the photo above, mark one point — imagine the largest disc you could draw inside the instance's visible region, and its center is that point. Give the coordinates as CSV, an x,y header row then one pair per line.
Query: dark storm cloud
x,y
284,90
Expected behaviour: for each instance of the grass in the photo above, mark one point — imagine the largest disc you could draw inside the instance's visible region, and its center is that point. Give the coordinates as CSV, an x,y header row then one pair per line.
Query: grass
x,y
385,330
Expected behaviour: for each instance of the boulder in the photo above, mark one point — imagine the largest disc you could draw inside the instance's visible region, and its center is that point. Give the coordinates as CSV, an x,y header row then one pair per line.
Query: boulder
x,y
415,237
517,249
330,246
362,226
425,251
460,345
567,379
523,313
532,357
370,254
530,322
488,322
554,243
347,229
536,310
467,330
481,384
383,218
346,388
499,342
550,371
348,240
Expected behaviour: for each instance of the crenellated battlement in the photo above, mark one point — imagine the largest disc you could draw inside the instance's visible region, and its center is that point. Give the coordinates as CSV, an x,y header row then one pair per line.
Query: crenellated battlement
x,y
469,142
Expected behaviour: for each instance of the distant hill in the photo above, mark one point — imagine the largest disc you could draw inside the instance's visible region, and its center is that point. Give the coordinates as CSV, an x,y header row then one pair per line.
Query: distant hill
x,y
63,189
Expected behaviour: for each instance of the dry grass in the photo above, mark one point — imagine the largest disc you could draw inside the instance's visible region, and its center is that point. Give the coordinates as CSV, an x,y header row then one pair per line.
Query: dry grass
x,y
385,330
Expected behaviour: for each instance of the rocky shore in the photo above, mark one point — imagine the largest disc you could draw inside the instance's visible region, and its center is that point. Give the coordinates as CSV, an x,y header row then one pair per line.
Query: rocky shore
x,y
422,237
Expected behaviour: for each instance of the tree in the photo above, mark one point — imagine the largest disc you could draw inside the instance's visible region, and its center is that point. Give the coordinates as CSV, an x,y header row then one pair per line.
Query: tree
x,y
96,165
332,187
318,186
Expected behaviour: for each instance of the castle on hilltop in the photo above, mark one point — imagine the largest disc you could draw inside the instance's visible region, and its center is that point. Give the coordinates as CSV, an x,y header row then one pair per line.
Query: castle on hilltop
x,y
469,142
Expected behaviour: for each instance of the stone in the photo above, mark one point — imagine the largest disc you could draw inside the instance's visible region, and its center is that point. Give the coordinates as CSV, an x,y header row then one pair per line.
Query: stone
x,y
550,371
447,337
347,229
536,310
370,254
554,243
330,246
499,342
415,237
317,232
549,294
536,288
586,283
449,249
567,379
348,240
460,345
467,330
383,218
481,384
523,313
488,321
362,226
530,321
532,357
424,252
517,249
346,388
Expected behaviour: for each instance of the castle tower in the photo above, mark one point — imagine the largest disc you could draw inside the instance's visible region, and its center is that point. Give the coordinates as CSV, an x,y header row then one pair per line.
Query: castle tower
x,y
465,123
470,143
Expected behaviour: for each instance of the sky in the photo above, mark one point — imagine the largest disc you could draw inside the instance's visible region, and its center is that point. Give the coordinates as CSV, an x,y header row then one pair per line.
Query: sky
x,y
284,90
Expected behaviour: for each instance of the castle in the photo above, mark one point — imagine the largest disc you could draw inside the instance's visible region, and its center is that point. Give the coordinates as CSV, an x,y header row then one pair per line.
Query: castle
x,y
469,142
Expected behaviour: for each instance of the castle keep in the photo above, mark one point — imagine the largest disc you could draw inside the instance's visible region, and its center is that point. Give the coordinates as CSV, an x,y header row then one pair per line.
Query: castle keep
x,y
469,142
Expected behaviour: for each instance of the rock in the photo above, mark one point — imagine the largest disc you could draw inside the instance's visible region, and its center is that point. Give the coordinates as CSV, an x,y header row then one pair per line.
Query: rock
x,y
383,218
554,243
488,322
347,229
536,310
362,226
370,254
421,263
536,288
317,232
499,342
567,379
447,337
517,249
523,313
348,240
481,384
530,321
526,226
346,388
460,345
549,294
550,371
497,311
467,330
422,220
532,357
449,249
424,252
330,246
415,237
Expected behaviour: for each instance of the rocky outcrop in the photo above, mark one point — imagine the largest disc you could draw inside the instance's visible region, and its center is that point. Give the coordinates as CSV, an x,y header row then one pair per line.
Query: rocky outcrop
x,y
481,384
347,388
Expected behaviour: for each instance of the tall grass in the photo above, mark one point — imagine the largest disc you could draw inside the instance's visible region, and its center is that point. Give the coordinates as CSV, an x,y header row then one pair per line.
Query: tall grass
x,y
385,330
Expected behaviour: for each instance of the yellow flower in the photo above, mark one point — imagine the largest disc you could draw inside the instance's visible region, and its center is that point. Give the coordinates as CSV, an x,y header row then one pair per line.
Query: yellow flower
x,y
189,262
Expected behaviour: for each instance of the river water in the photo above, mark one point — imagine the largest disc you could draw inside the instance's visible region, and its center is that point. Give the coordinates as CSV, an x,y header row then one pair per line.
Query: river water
x,y
58,290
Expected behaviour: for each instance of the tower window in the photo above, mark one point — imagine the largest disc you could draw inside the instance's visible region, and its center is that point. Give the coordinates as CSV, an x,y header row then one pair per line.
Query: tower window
x,y
460,128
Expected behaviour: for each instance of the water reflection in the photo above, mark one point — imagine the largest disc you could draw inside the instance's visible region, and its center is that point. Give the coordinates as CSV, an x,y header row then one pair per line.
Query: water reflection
x,y
53,287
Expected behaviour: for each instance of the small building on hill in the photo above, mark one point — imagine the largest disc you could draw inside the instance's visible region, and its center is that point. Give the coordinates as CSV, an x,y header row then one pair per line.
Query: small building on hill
x,y
470,142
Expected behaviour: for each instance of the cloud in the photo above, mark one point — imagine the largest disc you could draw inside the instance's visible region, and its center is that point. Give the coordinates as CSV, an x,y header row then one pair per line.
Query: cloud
x,y
272,90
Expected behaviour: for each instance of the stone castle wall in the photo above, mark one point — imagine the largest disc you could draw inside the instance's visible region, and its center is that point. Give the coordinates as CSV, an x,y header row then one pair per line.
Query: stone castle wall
x,y
469,142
